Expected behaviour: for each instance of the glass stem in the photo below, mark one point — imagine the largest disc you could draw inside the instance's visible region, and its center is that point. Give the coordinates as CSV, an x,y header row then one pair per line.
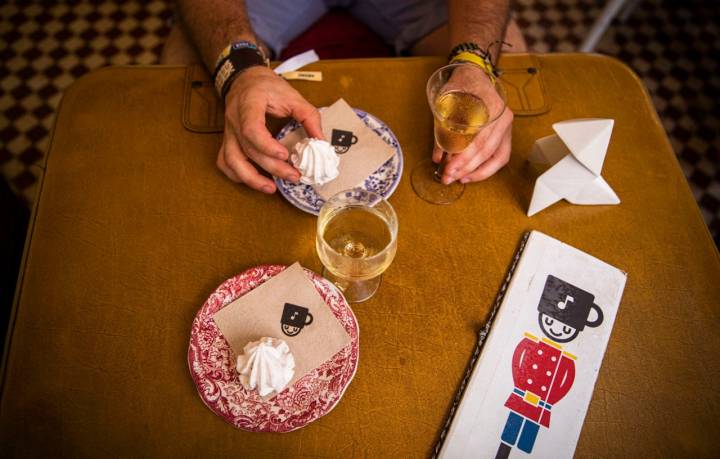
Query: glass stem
x,y
440,169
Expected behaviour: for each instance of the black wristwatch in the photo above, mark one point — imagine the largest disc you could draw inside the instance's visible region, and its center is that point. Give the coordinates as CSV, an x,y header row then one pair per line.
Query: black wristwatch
x,y
234,59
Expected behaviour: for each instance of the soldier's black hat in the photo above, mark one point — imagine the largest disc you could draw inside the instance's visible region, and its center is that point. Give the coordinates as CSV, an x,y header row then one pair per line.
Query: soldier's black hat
x,y
568,304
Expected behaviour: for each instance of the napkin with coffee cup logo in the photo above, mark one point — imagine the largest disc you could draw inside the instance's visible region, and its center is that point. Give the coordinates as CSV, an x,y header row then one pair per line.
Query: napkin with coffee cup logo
x,y
287,307
361,150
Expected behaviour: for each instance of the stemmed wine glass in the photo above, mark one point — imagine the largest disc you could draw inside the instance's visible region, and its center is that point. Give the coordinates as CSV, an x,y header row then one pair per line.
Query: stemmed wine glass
x,y
356,241
464,98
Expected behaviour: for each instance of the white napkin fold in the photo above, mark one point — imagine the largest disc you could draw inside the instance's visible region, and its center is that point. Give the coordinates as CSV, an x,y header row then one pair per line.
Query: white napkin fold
x,y
577,154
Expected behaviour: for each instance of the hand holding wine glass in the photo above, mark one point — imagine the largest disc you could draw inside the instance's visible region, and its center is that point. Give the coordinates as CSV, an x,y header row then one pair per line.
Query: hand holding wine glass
x,y
490,149
471,126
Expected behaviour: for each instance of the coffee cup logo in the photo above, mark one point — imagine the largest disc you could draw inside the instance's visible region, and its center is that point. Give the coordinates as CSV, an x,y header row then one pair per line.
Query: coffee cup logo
x,y
565,310
342,140
294,318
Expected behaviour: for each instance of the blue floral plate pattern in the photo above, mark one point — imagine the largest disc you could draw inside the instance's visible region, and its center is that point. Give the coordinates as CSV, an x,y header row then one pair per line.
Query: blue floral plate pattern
x,y
383,181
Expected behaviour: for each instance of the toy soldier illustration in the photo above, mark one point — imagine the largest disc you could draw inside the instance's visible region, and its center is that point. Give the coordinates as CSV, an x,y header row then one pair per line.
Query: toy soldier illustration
x,y
542,372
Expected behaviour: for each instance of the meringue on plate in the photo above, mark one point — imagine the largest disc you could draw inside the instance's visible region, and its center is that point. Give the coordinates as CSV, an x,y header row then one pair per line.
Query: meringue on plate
x,y
266,365
316,160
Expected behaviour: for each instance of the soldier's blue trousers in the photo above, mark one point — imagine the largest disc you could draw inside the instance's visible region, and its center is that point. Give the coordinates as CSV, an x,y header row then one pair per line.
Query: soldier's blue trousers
x,y
519,426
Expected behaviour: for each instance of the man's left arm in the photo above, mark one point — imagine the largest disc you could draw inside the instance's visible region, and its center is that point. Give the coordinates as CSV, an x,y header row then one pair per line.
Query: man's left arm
x,y
483,23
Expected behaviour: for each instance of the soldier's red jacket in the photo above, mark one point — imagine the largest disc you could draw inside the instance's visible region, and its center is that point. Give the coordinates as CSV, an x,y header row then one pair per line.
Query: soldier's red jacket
x,y
543,375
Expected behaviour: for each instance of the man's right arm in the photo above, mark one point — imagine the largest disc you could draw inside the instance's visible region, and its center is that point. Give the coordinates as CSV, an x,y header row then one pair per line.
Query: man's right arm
x,y
212,25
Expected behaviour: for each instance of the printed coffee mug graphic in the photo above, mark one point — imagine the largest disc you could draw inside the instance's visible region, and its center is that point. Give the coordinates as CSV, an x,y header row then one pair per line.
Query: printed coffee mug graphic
x,y
543,372
565,310
342,140
294,318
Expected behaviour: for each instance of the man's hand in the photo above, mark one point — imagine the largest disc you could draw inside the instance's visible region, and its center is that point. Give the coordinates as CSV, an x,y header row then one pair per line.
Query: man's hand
x,y
255,92
482,23
490,150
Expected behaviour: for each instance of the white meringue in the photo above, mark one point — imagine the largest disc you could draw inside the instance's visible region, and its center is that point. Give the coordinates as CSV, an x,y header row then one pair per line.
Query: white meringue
x,y
316,160
266,365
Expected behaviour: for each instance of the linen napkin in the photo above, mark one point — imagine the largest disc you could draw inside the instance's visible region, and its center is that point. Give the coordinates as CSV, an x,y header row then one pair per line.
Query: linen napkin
x,y
360,149
288,307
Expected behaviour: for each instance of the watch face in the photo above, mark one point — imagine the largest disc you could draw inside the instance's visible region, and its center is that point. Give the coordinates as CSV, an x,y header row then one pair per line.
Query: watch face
x,y
235,46
238,60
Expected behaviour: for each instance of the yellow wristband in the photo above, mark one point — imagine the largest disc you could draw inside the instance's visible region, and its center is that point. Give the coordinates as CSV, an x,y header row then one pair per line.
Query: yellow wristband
x,y
477,60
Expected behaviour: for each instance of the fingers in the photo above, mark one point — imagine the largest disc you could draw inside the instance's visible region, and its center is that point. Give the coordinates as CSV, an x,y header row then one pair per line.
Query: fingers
x,y
493,164
469,160
222,165
236,166
276,167
483,147
251,128
253,95
437,154
245,106
309,116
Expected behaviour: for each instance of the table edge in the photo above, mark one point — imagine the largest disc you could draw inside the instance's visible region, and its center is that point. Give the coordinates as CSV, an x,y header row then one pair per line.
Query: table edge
x,y
113,68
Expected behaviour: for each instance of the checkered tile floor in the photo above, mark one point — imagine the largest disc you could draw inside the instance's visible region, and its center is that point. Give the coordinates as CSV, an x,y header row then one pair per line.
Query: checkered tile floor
x,y
45,46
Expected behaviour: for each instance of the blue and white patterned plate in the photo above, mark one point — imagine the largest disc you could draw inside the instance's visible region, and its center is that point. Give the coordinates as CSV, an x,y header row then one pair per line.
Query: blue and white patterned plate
x,y
383,181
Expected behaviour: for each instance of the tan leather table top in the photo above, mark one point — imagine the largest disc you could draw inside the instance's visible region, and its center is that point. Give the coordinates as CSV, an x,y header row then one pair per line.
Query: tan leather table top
x,y
135,227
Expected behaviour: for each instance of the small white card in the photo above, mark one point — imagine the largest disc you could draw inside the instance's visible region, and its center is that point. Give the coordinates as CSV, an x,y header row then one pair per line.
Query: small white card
x,y
530,389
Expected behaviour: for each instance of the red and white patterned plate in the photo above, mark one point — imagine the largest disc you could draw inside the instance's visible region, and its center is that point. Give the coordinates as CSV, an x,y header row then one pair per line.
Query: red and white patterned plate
x,y
212,363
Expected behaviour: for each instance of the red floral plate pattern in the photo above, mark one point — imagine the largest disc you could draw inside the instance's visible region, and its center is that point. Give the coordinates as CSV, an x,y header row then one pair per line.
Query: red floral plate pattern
x,y
212,365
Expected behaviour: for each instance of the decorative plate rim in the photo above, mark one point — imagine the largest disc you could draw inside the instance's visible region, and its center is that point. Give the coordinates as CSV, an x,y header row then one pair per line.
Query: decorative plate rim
x,y
292,125
353,346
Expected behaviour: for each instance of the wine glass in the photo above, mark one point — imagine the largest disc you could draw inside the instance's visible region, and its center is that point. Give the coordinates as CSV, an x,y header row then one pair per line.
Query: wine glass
x,y
464,98
356,241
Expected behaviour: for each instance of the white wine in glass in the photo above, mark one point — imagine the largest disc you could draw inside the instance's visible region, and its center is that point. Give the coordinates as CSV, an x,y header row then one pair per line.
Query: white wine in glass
x,y
356,241
461,115
464,99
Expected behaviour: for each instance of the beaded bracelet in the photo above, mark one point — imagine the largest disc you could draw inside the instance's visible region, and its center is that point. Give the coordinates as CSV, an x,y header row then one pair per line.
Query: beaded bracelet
x,y
471,52
466,46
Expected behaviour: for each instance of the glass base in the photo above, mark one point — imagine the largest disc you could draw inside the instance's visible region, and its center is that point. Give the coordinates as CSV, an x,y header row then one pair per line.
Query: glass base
x,y
354,291
430,189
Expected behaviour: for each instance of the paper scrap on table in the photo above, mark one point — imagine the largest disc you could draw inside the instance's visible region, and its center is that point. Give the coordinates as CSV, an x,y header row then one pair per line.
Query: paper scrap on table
x,y
305,76
577,154
297,62
288,69
361,150
308,326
